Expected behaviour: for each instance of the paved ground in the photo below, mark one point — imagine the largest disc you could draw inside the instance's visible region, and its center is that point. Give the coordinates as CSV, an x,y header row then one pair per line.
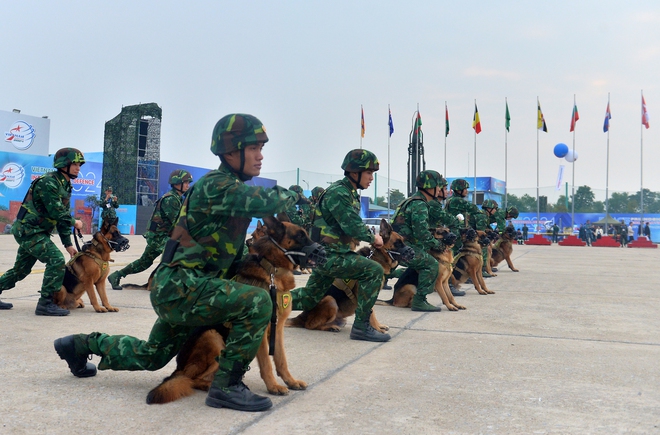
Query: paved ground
x,y
570,345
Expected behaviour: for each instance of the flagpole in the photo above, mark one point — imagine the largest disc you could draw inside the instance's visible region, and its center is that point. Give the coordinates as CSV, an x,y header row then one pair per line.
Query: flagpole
x,y
538,205
474,196
505,157
573,165
446,133
361,124
641,166
607,168
389,135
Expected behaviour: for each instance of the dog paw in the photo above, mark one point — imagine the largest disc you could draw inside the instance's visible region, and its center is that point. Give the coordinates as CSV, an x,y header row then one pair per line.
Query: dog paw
x,y
278,390
515,270
490,292
113,309
383,328
334,328
101,309
451,307
461,307
297,385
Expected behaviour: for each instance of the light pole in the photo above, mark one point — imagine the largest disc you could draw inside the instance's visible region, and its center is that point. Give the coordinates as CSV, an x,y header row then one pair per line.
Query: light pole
x,y
306,183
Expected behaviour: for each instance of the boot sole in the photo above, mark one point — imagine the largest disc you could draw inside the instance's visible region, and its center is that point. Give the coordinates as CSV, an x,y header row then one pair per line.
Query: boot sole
x,y
386,337
46,313
219,403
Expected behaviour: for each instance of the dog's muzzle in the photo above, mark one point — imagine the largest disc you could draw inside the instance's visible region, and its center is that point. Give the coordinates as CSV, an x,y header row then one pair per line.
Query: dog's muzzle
x,y
309,256
449,239
403,254
119,243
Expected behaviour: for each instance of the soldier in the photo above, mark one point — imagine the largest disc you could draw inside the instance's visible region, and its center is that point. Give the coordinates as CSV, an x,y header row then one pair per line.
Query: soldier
x,y
457,204
296,214
192,286
44,209
339,227
161,225
411,220
311,208
108,205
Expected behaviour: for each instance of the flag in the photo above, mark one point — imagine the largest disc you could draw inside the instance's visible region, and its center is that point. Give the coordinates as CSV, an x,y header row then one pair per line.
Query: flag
x,y
390,123
446,121
645,114
417,134
362,110
507,118
608,116
540,122
574,117
476,123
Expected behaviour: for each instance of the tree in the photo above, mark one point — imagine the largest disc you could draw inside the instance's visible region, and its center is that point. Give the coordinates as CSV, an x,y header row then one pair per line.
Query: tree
x,y
560,205
618,202
584,199
396,198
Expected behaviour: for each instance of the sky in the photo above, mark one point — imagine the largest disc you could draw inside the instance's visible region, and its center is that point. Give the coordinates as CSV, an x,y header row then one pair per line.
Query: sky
x,y
305,68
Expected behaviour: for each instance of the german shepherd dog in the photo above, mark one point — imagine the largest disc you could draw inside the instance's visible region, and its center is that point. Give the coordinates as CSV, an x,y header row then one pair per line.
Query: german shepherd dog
x,y
406,287
504,248
493,236
340,301
274,255
469,261
89,268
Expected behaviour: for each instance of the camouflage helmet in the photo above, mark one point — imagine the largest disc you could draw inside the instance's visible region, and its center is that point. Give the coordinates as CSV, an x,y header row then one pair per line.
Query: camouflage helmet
x,y
108,189
66,156
459,184
489,203
235,132
317,191
430,180
296,188
179,176
512,211
360,161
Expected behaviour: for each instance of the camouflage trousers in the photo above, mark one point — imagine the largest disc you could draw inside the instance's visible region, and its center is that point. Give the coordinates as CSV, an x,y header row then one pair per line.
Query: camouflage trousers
x,y
348,265
427,269
183,300
155,247
30,249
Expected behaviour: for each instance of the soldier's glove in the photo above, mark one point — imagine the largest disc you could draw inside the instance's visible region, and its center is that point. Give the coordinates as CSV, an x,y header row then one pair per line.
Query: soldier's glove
x,y
302,200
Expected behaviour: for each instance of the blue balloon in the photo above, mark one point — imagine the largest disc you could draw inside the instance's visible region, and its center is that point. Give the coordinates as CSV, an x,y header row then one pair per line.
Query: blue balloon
x,y
561,149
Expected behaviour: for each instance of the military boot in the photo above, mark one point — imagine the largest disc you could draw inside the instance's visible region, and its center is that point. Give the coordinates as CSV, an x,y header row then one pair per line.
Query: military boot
x,y
6,306
362,330
485,274
46,307
455,291
114,279
74,350
419,303
229,391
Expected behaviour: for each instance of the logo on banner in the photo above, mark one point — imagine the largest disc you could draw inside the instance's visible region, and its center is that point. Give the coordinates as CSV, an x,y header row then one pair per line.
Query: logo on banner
x,y
12,175
21,135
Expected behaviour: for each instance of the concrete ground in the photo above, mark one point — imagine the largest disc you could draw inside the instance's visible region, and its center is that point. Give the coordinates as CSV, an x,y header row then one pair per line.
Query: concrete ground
x,y
570,345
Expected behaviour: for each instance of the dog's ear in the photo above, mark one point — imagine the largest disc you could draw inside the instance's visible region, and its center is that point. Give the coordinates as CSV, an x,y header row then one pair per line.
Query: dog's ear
x,y
385,229
275,228
282,217
259,225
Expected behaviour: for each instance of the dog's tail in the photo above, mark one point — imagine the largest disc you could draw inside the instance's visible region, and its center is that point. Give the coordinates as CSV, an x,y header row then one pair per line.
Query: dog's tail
x,y
174,387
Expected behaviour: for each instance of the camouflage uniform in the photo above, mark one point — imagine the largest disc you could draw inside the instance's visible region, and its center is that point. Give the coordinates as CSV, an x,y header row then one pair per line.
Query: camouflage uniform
x,y
411,220
194,288
47,208
473,217
438,217
108,207
296,214
161,225
499,218
338,218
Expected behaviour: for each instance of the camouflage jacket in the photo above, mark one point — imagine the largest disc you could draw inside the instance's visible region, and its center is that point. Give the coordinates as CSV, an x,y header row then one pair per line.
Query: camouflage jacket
x,y
499,217
216,214
411,220
439,217
164,216
296,215
47,207
473,216
338,217
108,207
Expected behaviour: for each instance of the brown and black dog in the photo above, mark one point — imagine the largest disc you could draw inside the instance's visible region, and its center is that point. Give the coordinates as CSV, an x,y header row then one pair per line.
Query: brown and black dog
x,y
493,236
469,261
340,301
406,286
503,249
89,268
271,256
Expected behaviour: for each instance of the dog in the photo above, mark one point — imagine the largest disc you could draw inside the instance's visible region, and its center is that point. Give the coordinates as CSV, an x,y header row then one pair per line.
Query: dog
x,y
89,268
275,253
493,236
469,261
406,286
340,301
503,249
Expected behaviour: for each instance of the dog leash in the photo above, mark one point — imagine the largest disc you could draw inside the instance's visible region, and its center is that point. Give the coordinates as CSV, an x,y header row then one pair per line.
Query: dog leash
x,y
76,232
273,315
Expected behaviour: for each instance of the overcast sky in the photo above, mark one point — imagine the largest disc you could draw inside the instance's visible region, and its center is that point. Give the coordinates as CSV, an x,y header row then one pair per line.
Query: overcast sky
x,y
305,67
